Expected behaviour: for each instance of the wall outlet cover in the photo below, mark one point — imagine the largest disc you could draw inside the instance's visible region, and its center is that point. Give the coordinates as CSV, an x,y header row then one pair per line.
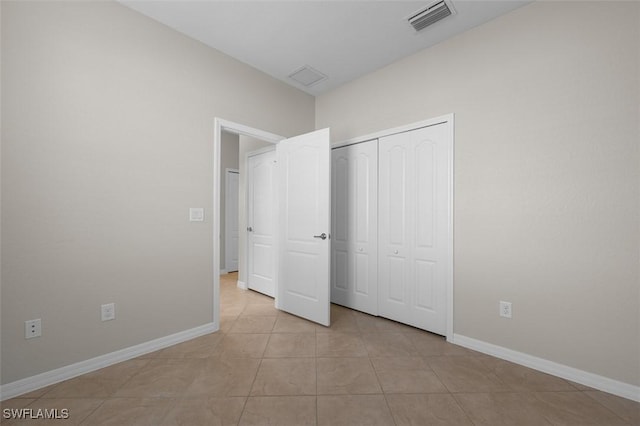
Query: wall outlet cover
x,y
505,309
33,328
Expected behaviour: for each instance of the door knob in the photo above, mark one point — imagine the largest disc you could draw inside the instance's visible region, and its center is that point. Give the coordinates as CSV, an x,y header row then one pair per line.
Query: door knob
x,y
250,229
395,252
322,236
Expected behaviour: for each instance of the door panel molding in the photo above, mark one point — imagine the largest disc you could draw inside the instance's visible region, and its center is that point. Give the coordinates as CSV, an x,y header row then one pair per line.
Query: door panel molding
x,y
354,247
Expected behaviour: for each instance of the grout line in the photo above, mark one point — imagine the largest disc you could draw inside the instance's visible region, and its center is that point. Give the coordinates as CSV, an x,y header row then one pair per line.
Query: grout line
x,y
384,395
92,412
590,398
315,359
244,406
224,336
459,404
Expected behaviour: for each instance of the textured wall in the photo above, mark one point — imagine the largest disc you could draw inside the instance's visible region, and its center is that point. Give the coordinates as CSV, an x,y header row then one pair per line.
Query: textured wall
x,y
107,140
547,174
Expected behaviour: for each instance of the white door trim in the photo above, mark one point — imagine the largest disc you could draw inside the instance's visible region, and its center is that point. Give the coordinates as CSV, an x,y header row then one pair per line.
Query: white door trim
x,y
220,125
450,120
388,132
260,151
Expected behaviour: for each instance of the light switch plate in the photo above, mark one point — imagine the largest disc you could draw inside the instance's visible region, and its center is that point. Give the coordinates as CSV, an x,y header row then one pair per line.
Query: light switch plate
x,y
108,312
196,214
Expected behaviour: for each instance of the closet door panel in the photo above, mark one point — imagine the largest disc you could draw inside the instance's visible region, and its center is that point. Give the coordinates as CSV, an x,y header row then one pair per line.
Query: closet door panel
x,y
425,275
364,172
339,228
431,245
355,226
340,194
424,165
396,290
362,277
364,221
425,265
395,179
395,187
413,227
340,266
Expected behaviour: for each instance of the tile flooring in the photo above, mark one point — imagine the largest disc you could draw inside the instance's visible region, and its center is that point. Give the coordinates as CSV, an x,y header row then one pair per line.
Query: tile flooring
x,y
266,367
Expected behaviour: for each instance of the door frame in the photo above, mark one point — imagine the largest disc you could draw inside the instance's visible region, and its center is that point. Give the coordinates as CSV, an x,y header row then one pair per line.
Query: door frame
x,y
221,125
450,120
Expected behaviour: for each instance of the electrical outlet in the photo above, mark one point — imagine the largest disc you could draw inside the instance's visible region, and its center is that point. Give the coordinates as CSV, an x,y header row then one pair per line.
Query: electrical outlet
x,y
108,312
32,328
505,309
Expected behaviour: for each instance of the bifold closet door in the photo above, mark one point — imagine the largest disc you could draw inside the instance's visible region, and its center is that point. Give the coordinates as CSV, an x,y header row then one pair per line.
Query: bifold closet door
x,y
413,231
354,192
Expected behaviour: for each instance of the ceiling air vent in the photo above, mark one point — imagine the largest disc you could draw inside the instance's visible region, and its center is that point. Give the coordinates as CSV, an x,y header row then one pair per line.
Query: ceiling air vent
x,y
307,76
430,15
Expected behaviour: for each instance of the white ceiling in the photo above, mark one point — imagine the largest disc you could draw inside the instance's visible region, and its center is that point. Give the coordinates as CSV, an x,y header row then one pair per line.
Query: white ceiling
x,y
342,39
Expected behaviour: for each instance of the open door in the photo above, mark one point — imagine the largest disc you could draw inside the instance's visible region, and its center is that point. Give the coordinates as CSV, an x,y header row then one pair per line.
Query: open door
x,y
304,187
261,222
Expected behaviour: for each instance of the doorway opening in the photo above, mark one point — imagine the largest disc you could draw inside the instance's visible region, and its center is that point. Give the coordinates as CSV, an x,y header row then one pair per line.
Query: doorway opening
x,y
229,189
224,126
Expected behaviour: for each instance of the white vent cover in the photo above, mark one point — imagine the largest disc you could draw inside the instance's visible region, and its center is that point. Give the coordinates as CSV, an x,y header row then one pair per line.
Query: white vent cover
x,y
307,76
430,15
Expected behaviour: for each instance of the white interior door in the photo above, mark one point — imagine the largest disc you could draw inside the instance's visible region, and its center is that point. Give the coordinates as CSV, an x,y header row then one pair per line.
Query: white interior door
x,y
304,176
413,237
354,274
231,221
261,199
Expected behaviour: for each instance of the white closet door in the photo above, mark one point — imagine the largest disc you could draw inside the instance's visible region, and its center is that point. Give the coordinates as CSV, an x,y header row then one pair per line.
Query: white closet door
x,y
261,225
354,192
413,237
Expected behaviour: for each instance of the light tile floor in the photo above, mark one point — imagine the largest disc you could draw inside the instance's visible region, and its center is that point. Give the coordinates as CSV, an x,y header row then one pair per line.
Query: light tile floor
x,y
266,367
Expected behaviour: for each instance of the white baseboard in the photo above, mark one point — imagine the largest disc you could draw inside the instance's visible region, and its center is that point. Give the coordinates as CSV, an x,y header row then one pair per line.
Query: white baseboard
x,y
242,285
29,384
596,381
223,272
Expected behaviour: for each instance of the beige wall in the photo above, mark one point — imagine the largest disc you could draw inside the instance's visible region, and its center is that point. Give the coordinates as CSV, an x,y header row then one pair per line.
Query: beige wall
x,y
547,177
107,135
228,160
107,140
